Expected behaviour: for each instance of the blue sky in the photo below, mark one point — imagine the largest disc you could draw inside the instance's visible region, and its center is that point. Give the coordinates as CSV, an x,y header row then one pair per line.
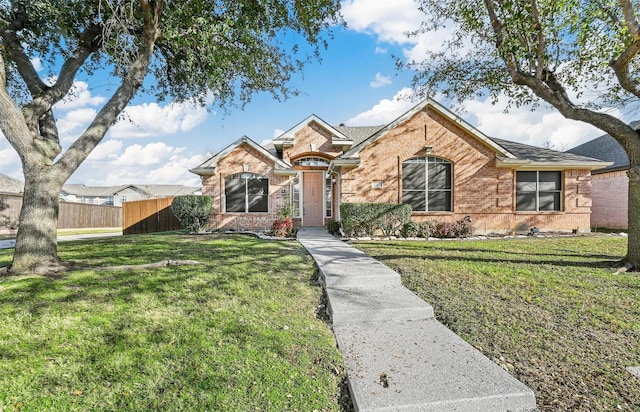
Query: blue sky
x,y
356,83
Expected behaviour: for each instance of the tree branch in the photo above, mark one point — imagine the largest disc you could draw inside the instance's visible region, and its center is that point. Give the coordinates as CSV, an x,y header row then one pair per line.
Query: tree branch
x,y
80,149
542,46
620,65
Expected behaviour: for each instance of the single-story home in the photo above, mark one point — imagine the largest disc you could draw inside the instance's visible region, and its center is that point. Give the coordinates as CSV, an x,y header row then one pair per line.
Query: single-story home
x,y
610,185
9,185
117,195
429,157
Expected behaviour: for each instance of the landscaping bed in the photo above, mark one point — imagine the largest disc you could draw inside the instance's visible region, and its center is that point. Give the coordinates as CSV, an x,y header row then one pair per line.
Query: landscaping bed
x,y
551,311
238,331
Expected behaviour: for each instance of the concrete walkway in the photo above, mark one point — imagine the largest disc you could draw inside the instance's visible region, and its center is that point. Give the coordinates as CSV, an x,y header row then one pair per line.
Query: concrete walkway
x,y
398,356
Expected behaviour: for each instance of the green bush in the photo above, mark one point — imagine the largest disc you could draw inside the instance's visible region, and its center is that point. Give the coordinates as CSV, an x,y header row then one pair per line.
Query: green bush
x,y
193,212
365,218
458,229
333,227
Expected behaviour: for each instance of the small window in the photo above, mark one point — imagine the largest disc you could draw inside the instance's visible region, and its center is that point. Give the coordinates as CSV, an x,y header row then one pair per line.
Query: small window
x,y
427,184
295,196
328,203
247,193
538,191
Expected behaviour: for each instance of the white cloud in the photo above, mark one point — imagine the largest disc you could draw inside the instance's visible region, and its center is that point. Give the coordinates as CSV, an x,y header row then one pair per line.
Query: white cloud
x,y
37,63
381,50
150,154
79,97
155,163
380,81
105,151
74,122
389,20
151,119
541,127
385,111
278,133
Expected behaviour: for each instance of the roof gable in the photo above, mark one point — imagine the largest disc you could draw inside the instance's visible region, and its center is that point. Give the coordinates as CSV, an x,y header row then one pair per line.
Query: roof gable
x,y
208,167
432,104
287,139
10,185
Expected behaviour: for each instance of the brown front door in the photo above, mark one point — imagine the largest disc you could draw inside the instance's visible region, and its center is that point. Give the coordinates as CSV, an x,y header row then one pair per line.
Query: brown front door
x,y
312,199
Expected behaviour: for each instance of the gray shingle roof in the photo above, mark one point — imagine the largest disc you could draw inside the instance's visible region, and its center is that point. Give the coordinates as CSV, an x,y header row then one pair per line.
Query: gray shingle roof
x,y
148,190
358,133
538,154
606,148
10,185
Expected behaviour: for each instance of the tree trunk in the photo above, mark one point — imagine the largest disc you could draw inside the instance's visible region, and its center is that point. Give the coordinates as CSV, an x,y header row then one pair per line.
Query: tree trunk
x,y
36,248
633,247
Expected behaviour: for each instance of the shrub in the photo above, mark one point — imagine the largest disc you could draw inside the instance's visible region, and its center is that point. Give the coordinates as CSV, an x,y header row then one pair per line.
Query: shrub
x,y
409,229
282,227
193,212
333,227
366,218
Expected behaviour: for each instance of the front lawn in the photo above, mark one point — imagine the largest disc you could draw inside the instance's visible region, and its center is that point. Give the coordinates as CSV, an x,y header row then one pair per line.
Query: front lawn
x,y
239,332
549,310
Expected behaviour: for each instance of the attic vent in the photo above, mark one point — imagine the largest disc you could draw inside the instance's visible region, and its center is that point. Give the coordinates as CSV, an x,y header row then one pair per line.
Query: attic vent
x,y
342,124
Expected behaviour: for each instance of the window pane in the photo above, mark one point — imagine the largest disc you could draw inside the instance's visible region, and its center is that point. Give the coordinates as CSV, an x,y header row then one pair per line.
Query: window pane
x,y
234,193
258,203
257,186
549,181
439,201
413,176
526,201
526,181
439,176
549,201
416,199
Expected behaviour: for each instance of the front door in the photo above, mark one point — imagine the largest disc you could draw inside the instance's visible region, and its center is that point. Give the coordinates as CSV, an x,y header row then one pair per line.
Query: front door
x,y
312,199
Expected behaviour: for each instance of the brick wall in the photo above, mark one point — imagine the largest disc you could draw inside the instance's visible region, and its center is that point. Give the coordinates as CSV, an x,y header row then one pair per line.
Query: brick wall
x,y
610,197
231,164
481,190
309,137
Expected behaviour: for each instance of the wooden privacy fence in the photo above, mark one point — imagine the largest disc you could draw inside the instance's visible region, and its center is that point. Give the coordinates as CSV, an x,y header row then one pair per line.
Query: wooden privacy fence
x,y
71,215
148,216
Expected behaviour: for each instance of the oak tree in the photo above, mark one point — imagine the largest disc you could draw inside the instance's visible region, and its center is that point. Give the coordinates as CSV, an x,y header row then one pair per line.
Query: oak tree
x,y
575,55
225,50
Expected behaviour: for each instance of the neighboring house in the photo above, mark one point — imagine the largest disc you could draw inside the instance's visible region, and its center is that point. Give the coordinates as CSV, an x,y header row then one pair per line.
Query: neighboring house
x,y
9,185
117,195
610,185
429,158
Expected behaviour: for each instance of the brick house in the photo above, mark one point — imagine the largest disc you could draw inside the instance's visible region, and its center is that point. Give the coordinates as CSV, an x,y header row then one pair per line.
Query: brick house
x,y
610,185
428,157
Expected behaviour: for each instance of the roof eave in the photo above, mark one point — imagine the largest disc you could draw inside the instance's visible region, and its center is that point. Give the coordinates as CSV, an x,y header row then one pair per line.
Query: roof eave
x,y
337,164
204,171
523,164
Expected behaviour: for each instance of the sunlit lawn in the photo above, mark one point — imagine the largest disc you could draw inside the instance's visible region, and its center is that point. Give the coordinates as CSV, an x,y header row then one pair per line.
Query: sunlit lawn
x,y
239,332
549,310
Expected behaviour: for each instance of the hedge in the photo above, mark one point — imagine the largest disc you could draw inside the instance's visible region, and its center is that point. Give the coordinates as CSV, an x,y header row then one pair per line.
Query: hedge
x,y
367,218
192,211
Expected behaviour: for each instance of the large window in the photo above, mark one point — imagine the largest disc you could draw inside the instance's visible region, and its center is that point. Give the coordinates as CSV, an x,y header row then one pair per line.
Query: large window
x,y
538,191
427,184
247,193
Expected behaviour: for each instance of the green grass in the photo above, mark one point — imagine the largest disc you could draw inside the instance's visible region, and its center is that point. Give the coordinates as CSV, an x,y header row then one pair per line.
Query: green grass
x,y
550,311
238,333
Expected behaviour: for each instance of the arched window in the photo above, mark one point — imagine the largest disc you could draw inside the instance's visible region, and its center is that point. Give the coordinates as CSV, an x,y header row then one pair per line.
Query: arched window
x,y
427,184
311,161
246,193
